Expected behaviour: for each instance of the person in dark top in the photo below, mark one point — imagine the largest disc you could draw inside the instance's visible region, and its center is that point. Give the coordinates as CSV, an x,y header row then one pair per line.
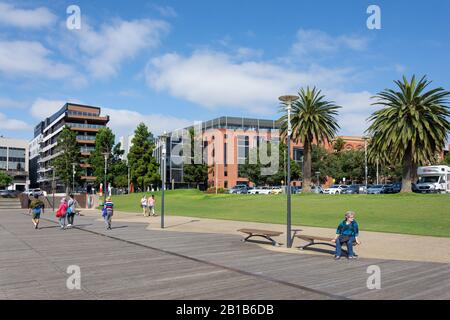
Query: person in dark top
x,y
36,208
347,232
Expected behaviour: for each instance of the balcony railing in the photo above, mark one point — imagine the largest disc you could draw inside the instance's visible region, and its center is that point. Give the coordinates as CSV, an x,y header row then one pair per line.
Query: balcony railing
x,y
86,138
85,125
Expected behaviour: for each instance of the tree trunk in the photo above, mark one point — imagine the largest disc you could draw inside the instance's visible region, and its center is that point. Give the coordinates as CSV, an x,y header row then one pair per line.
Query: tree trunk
x,y
307,167
407,172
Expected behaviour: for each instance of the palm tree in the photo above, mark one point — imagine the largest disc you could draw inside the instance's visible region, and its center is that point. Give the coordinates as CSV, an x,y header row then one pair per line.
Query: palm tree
x,y
412,126
313,120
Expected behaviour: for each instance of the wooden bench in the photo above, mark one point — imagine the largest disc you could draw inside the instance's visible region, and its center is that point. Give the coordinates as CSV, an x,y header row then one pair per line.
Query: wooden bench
x,y
313,240
266,234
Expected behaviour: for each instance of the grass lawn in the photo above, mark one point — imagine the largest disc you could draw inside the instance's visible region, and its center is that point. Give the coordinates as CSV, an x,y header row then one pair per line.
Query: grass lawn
x,y
420,214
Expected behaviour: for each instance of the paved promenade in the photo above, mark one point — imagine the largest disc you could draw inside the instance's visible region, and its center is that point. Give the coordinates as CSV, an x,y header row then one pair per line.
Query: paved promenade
x,y
132,262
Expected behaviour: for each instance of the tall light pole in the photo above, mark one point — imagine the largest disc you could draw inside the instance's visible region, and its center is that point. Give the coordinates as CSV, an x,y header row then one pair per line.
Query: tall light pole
x,y
163,178
288,99
377,170
128,178
318,182
53,188
106,155
73,177
365,161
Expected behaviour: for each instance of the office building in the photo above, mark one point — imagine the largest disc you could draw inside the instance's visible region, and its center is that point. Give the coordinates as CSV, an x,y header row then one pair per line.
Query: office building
x,y
86,121
226,143
14,162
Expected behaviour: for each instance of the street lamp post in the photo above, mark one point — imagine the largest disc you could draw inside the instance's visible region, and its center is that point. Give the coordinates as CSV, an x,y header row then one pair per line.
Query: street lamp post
x,y
163,160
73,177
365,161
318,182
53,188
106,155
288,99
377,170
128,180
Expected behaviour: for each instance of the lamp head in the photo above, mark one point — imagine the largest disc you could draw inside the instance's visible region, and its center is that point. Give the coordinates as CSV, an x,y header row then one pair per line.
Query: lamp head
x,y
288,98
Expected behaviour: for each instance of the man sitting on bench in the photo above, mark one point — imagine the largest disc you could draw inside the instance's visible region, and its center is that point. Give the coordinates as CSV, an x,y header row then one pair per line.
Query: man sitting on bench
x,y
347,232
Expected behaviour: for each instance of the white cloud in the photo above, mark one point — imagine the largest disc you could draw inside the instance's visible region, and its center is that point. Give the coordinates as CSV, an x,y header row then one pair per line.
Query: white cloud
x,y
42,108
166,11
25,18
356,108
105,50
31,58
10,103
216,80
123,122
246,53
12,124
309,42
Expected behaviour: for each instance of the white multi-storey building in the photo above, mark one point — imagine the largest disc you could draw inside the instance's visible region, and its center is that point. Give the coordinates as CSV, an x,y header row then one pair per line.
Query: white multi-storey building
x,y
14,162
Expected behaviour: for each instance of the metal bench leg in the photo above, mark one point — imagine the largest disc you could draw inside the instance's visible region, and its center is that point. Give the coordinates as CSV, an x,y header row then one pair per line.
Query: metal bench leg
x,y
307,245
272,241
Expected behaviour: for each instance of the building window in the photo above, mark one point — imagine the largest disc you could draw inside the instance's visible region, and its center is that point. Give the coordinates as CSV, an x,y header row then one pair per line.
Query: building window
x,y
243,149
298,154
225,153
225,184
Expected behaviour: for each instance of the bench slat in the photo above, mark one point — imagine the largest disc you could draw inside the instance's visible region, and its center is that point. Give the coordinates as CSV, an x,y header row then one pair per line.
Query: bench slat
x,y
263,232
307,237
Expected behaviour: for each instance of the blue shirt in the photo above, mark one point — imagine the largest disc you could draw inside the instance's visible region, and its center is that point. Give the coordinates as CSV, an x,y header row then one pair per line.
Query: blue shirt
x,y
351,229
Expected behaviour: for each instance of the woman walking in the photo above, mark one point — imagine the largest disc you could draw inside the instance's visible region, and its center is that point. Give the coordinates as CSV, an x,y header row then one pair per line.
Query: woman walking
x,y
108,208
71,210
36,208
61,213
151,205
144,205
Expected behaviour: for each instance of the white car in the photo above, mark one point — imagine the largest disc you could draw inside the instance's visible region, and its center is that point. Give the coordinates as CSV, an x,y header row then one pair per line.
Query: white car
x,y
260,190
276,190
335,189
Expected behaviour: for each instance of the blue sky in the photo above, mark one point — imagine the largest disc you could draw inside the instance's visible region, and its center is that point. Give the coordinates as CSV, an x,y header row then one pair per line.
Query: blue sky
x,y
169,63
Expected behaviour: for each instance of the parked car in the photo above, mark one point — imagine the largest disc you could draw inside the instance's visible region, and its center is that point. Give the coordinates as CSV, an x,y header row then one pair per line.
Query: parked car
x,y
34,192
260,190
276,190
335,189
396,187
296,189
388,188
239,189
352,189
317,189
9,193
379,188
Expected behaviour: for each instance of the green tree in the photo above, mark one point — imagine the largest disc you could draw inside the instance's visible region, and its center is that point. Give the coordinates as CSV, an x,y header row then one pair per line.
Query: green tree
x,y
253,172
196,173
411,127
119,168
104,142
69,153
313,120
5,179
144,168
339,144
446,160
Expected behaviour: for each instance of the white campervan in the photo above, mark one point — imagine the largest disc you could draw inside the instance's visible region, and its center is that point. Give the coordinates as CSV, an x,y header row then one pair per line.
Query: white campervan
x,y
433,179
